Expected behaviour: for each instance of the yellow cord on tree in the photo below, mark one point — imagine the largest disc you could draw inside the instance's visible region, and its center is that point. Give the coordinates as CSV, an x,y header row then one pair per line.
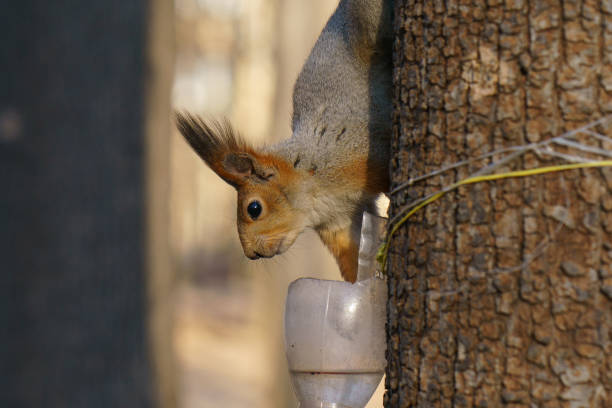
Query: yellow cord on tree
x,y
384,249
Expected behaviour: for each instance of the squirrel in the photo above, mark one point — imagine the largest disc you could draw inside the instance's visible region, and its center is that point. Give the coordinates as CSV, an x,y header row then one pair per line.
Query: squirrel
x,y
335,164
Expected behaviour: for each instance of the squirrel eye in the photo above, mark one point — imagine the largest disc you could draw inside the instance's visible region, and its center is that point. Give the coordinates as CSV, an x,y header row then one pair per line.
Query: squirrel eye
x,y
254,209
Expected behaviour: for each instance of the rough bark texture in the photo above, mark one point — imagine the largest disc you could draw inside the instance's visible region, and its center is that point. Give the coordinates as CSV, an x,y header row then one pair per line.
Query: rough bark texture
x,y
470,322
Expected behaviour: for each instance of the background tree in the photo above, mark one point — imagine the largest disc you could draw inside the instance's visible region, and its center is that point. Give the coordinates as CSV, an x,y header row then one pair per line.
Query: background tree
x,y
500,293
84,112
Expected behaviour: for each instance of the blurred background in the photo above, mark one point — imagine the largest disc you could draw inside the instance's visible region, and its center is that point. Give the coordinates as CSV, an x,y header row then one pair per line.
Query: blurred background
x,y
123,280
239,59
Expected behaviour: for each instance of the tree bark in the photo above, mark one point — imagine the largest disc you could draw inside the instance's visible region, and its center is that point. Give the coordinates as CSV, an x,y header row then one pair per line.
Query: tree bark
x,y
500,293
74,117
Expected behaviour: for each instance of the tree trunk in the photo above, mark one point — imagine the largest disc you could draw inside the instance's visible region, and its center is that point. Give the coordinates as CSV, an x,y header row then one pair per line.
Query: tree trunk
x,y
500,293
74,149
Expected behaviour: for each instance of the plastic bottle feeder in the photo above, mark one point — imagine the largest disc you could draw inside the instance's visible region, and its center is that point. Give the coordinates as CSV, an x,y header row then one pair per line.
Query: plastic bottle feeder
x,y
335,332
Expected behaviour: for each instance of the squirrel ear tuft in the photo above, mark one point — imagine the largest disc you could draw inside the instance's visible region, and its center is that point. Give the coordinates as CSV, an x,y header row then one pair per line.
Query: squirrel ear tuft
x,y
224,151
212,141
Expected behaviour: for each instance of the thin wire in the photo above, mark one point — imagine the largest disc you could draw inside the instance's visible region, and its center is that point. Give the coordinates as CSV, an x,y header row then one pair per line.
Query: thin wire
x,y
581,147
597,136
521,149
569,157
384,250
453,166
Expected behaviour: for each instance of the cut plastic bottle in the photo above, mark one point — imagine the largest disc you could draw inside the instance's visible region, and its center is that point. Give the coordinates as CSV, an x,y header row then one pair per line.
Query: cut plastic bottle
x,y
335,332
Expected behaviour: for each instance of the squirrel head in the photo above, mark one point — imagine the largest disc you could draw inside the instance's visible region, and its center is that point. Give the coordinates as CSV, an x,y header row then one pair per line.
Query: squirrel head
x,y
268,222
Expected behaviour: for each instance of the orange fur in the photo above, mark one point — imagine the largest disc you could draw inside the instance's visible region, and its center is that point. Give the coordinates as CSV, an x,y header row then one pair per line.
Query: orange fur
x,y
345,249
340,137
365,175
272,180
286,171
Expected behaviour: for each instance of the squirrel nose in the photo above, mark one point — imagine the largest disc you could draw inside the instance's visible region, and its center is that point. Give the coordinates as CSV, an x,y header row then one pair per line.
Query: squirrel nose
x,y
254,255
257,255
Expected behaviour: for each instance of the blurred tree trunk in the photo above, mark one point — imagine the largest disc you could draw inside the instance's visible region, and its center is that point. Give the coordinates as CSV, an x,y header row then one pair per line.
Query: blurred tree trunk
x,y
471,322
75,148
159,74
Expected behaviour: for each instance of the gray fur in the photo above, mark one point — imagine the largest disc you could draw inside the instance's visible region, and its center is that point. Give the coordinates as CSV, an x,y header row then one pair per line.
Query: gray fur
x,y
340,143
342,97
